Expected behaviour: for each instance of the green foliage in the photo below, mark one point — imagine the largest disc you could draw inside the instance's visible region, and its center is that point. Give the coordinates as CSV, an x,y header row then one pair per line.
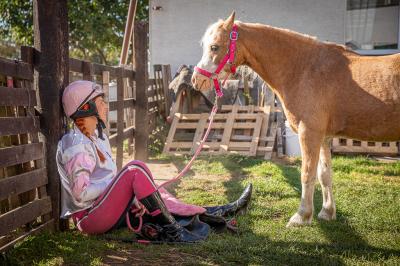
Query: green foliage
x,y
158,137
96,27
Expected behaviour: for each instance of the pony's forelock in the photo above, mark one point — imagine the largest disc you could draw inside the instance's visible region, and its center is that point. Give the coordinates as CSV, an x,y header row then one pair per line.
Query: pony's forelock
x,y
207,35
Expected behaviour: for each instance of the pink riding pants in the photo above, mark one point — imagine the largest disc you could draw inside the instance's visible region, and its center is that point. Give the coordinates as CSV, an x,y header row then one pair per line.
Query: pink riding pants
x,y
133,180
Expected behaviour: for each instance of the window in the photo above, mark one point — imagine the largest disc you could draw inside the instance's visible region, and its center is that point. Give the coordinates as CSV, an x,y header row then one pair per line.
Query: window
x,y
372,26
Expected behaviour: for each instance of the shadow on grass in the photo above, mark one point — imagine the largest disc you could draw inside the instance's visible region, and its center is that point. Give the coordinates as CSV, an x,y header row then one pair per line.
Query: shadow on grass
x,y
344,241
180,164
255,245
344,238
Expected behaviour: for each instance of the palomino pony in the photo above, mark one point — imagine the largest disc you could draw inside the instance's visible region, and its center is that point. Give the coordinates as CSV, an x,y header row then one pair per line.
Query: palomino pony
x,y
326,91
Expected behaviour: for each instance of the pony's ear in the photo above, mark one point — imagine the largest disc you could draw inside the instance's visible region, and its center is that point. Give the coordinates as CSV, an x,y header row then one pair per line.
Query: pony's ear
x,y
228,23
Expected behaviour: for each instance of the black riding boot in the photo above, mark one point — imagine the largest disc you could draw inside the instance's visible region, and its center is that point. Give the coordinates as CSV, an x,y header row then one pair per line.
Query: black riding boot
x,y
165,227
233,207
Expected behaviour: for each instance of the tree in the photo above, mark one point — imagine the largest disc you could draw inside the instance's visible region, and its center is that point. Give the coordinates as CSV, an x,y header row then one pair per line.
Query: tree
x,y
96,27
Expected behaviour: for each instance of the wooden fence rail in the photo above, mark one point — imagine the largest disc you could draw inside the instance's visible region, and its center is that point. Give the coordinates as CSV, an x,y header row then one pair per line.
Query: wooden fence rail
x,y
25,206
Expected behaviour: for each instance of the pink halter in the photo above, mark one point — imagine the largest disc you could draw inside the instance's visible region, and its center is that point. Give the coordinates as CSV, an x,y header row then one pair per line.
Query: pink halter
x,y
229,58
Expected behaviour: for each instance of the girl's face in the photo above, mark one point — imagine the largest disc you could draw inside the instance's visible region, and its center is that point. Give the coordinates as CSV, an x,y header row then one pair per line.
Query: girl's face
x,y
102,108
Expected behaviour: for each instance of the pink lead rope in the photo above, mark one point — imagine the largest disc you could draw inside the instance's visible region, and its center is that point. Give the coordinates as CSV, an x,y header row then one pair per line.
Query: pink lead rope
x,y
198,150
228,58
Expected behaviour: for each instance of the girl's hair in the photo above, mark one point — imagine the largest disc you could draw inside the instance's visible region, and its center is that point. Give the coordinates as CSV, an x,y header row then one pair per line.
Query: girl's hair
x,y
80,123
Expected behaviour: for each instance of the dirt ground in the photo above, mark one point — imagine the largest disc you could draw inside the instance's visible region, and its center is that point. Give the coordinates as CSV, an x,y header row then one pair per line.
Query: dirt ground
x,y
161,170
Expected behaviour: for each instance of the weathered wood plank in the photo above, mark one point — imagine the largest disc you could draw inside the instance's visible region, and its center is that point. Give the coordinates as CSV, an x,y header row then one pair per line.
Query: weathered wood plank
x,y
121,85
128,132
105,76
199,132
166,73
127,102
76,65
247,108
235,145
17,217
265,124
22,182
228,130
125,72
51,39
87,71
17,97
20,154
272,134
171,133
49,225
16,69
141,115
256,136
18,125
130,21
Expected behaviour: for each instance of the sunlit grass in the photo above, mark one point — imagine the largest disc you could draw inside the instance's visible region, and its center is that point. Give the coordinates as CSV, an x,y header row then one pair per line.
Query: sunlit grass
x,y
366,232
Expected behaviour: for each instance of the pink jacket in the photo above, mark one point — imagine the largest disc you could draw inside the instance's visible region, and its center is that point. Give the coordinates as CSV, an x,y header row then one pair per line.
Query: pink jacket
x,y
84,177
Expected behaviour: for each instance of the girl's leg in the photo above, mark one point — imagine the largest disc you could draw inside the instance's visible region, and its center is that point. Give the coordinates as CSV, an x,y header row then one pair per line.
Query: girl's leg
x,y
132,180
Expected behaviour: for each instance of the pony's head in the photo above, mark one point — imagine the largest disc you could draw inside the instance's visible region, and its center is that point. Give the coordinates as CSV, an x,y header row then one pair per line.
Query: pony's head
x,y
215,43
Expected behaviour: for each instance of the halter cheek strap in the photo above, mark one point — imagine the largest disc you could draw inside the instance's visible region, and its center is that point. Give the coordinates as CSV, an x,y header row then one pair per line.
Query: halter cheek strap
x,y
229,58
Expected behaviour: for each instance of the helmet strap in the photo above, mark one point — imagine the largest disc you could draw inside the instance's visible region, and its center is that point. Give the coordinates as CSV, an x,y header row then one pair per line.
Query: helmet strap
x,y
100,126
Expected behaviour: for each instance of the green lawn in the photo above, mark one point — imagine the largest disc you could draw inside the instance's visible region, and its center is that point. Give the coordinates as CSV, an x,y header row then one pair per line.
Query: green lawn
x,y
366,232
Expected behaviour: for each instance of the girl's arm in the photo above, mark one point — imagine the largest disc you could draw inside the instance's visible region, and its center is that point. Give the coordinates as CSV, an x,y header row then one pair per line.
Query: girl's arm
x,y
79,167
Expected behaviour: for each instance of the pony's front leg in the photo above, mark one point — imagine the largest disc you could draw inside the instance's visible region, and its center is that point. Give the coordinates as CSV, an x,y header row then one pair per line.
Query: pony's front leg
x,y
328,211
310,143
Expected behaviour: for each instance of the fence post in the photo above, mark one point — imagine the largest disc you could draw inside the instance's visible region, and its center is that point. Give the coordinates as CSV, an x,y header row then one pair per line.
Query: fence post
x,y
87,71
106,88
141,77
120,118
166,75
51,40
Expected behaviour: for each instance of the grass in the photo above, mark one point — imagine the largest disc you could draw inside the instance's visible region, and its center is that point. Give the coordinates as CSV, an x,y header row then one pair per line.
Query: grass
x,y
366,232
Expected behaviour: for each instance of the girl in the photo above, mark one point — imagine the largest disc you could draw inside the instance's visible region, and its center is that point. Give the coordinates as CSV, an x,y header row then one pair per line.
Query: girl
x,y
99,199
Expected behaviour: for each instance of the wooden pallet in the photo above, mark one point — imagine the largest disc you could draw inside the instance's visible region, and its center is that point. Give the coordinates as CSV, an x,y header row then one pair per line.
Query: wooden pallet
x,y
341,145
240,129
269,127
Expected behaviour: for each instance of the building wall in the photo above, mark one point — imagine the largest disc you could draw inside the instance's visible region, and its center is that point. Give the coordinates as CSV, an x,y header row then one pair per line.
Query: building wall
x,y
176,29
368,27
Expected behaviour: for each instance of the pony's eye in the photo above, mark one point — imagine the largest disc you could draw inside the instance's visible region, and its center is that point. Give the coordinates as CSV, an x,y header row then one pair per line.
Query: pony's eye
x,y
214,48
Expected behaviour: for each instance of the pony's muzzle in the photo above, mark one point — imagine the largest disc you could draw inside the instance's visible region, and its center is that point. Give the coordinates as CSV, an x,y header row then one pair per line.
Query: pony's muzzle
x,y
200,83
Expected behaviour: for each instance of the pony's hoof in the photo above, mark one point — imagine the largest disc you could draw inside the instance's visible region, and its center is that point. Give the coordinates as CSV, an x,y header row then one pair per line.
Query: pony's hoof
x,y
327,215
298,220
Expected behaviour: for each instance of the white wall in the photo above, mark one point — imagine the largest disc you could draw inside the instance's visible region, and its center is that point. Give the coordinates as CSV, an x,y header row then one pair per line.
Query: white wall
x,y
373,26
176,29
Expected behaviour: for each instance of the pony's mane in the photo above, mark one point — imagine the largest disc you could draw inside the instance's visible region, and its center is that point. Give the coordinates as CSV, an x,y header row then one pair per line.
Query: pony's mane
x,y
301,36
305,37
208,31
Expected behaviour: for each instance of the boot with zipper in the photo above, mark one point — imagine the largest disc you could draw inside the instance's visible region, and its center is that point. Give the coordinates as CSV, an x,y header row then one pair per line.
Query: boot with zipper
x,y
163,226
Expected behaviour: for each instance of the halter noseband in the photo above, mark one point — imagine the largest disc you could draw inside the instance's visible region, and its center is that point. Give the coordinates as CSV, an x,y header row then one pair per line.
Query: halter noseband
x,y
229,58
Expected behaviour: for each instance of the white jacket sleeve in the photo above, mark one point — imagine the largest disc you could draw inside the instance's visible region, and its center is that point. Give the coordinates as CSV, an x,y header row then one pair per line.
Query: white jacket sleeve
x,y
80,161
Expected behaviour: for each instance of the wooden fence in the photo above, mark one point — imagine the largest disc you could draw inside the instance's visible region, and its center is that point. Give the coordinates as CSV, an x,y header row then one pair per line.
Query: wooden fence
x,y
25,206
125,102
159,100
124,105
29,191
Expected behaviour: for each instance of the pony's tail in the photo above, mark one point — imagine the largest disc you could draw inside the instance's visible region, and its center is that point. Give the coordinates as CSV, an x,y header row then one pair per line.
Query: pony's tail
x,y
80,123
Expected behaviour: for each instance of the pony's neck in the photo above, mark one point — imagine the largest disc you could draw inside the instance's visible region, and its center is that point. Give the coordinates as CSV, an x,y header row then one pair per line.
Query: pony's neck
x,y
278,56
